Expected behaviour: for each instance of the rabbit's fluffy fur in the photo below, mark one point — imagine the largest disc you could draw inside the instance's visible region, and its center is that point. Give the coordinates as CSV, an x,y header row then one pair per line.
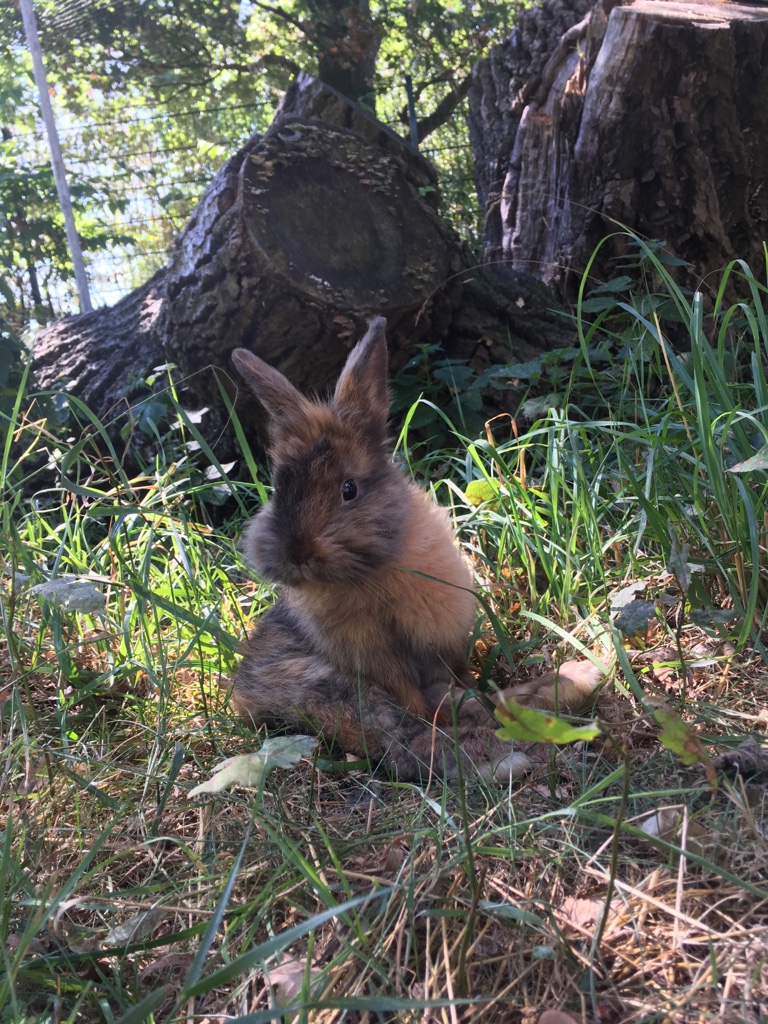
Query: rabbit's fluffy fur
x,y
376,603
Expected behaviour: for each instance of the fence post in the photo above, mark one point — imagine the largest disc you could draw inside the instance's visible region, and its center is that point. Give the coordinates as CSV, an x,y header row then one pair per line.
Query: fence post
x,y
57,161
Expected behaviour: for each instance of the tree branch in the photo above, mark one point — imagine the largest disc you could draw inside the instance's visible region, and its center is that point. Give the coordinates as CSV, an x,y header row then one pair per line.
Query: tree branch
x,y
444,109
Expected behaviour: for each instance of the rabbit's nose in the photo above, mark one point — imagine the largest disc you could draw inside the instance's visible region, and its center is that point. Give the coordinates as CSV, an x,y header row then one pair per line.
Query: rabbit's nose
x,y
299,550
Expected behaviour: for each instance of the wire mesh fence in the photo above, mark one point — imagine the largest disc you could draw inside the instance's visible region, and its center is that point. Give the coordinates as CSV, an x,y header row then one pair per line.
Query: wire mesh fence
x,y
134,187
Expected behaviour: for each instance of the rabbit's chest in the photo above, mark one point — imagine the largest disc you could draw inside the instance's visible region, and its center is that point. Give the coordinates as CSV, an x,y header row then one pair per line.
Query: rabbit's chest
x,y
351,630
380,633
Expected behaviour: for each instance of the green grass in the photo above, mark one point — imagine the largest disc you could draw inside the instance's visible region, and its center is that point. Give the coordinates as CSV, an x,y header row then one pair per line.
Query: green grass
x,y
124,900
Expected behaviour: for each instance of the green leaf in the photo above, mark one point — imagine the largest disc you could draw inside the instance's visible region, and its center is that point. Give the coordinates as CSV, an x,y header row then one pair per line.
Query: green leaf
x,y
681,738
524,371
521,723
597,305
758,461
618,284
481,491
712,617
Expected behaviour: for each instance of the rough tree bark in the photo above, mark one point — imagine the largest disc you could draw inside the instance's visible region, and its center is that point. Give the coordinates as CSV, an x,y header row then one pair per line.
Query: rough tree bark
x,y
494,105
302,236
653,114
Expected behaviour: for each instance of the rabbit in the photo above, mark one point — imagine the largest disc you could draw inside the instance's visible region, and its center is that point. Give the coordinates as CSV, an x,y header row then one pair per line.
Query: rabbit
x,y
367,642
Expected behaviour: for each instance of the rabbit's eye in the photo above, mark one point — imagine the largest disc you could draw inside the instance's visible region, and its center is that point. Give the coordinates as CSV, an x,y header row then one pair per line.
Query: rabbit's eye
x,y
349,490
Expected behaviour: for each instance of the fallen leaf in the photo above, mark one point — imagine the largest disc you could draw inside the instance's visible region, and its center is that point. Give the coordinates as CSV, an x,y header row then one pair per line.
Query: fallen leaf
x,y
584,912
666,824
663,824
678,564
511,912
626,595
136,928
392,858
250,770
681,738
663,675
633,617
521,723
544,953
711,618
287,979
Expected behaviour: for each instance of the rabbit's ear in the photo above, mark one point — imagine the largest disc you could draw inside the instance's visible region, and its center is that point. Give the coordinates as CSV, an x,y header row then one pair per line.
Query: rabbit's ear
x,y
362,386
275,392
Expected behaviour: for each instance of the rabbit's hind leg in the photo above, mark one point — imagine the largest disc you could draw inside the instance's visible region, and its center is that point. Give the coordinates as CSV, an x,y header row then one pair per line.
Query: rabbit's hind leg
x,y
572,687
307,694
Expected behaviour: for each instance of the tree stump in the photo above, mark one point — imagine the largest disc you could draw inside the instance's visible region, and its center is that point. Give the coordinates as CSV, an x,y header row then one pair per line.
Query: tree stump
x,y
652,114
303,236
494,101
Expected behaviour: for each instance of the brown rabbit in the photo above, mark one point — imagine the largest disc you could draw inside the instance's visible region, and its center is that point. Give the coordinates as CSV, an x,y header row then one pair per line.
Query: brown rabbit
x,y
376,604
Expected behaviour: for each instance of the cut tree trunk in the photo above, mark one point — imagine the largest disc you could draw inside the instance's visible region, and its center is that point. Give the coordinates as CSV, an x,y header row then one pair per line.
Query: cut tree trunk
x,y
307,232
495,107
652,115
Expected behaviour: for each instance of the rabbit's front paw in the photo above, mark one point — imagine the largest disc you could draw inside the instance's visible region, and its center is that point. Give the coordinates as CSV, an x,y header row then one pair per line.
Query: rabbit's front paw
x,y
513,766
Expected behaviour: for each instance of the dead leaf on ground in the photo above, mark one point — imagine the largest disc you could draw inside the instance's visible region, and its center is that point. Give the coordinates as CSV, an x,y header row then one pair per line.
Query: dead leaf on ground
x,y
555,1017
287,979
393,857
250,770
749,759
627,594
634,617
584,912
136,928
667,824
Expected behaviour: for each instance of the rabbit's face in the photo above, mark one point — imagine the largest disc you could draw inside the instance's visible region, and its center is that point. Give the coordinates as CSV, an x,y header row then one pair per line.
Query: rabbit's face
x,y
338,509
340,505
